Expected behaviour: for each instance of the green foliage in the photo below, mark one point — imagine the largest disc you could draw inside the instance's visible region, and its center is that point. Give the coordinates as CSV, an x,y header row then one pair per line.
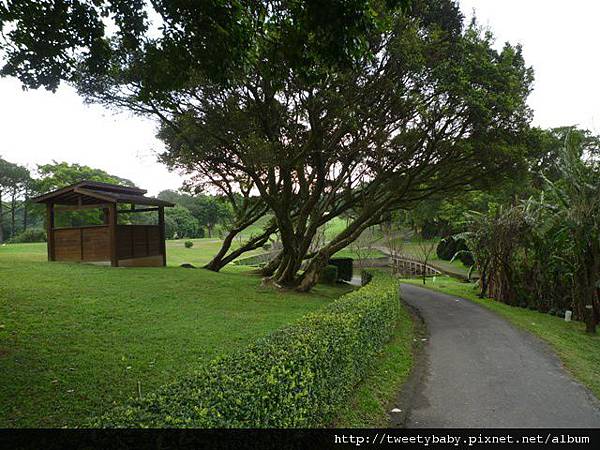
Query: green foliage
x,y
329,274
16,186
58,175
188,244
344,266
29,235
46,42
365,277
545,252
208,211
180,223
299,376
451,247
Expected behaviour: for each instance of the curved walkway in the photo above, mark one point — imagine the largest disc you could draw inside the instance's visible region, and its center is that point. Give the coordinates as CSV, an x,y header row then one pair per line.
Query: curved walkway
x,y
480,371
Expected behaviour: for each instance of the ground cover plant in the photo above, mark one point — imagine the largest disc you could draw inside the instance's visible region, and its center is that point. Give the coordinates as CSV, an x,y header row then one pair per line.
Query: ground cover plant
x,y
76,339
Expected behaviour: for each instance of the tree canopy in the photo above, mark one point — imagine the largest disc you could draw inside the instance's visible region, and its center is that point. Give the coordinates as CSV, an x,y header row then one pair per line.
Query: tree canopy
x,y
317,108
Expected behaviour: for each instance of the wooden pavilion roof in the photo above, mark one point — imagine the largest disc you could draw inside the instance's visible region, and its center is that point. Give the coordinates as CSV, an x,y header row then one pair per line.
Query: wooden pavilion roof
x,y
97,193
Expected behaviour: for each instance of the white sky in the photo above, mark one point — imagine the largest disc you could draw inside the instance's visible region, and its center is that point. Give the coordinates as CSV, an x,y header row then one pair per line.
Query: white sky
x,y
559,38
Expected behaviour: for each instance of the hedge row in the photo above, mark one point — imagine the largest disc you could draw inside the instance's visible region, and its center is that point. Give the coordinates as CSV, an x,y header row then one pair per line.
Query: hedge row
x,y
298,376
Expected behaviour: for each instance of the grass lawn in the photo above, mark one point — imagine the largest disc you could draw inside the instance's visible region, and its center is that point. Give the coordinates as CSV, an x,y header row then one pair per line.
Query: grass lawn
x,y
76,339
578,351
201,253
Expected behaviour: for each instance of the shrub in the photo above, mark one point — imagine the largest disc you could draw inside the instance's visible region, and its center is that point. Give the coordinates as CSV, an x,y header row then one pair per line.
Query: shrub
x,y
30,235
466,258
299,376
444,248
365,277
188,244
344,266
450,246
329,274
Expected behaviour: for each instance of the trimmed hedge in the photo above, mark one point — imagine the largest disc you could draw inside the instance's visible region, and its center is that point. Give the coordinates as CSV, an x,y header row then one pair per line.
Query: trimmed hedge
x,y
344,266
329,274
298,376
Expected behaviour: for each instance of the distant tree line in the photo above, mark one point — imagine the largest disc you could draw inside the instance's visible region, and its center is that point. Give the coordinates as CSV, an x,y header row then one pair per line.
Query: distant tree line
x,y
195,215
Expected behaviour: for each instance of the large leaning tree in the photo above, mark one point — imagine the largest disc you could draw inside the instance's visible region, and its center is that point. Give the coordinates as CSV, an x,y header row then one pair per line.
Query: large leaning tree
x,y
318,108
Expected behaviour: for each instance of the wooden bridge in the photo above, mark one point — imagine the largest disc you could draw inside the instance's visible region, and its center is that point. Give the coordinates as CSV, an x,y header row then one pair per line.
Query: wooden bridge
x,y
406,266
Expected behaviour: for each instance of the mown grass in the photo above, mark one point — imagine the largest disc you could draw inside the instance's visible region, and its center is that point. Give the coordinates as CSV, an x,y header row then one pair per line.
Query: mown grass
x,y
198,255
76,339
374,396
578,351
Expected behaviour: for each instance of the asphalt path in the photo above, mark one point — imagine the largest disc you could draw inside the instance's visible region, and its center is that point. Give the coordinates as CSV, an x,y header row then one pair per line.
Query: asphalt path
x,y
480,371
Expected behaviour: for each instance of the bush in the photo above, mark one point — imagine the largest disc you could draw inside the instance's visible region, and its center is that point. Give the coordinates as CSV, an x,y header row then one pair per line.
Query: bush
x,y
344,266
329,274
188,244
30,235
450,246
365,277
299,376
445,248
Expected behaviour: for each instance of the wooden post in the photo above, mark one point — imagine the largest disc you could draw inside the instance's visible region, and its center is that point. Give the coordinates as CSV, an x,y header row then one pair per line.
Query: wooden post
x,y
161,230
105,216
50,230
112,232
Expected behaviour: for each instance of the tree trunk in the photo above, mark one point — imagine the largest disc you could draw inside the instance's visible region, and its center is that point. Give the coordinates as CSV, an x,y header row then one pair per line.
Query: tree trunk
x,y
25,204
271,266
216,263
1,219
13,211
222,259
286,275
311,275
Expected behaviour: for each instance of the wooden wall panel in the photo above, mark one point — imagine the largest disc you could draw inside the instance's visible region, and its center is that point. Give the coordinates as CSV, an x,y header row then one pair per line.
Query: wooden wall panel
x,y
93,243
67,244
140,246
138,241
154,240
96,244
124,241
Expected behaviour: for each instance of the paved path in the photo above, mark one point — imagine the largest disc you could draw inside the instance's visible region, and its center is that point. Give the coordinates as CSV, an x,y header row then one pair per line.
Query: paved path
x,y
479,371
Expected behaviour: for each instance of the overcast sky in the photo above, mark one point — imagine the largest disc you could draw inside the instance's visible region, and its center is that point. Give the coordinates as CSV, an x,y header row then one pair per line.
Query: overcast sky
x,y
559,38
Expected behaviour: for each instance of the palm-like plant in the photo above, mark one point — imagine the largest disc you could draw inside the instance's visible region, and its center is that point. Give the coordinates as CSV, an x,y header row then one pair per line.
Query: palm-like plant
x,y
572,207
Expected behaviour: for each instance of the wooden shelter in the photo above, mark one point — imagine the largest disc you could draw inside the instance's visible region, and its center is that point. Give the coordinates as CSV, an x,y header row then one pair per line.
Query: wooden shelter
x,y
120,245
